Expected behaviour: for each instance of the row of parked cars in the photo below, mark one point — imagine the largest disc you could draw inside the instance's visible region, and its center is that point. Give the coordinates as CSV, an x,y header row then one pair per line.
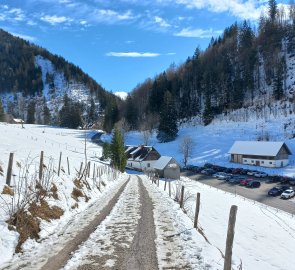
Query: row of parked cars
x,y
210,169
285,192
237,179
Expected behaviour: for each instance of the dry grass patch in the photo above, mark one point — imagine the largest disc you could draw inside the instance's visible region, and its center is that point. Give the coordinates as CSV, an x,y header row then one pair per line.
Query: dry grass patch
x,y
1,171
44,211
7,191
78,183
54,191
27,223
76,193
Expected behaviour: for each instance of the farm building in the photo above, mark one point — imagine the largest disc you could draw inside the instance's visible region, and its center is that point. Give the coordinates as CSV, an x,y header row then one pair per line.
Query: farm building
x,y
141,157
260,153
167,167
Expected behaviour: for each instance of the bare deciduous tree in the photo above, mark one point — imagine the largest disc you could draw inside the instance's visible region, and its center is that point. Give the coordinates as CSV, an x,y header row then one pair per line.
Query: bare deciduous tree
x,y
186,148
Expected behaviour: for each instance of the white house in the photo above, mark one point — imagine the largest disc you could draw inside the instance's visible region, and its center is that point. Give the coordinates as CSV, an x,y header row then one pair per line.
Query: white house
x,y
141,157
167,167
260,153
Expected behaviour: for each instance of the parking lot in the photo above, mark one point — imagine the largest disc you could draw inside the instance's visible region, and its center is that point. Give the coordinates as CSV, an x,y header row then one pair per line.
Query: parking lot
x,y
256,194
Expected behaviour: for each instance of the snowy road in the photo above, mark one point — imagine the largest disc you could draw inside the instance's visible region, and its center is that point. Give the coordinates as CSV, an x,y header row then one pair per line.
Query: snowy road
x,y
137,228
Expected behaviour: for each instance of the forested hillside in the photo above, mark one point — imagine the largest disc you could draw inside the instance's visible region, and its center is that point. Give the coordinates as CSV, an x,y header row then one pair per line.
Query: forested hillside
x,y
245,67
34,83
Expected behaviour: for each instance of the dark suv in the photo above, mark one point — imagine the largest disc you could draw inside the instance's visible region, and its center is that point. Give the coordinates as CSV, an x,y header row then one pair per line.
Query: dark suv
x,y
254,184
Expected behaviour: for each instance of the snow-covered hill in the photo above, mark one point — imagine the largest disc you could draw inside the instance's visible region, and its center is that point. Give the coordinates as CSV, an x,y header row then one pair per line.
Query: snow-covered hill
x,y
212,142
26,144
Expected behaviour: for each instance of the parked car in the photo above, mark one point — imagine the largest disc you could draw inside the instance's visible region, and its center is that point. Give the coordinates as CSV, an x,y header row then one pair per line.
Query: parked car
x,y
254,184
284,180
237,170
216,175
244,171
208,171
276,191
292,181
251,173
245,182
234,181
287,194
260,174
228,170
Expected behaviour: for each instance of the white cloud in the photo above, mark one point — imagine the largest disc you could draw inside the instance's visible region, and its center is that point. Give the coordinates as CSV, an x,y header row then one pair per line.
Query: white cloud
x,y
198,33
109,15
171,53
132,54
249,9
55,19
26,37
161,22
83,22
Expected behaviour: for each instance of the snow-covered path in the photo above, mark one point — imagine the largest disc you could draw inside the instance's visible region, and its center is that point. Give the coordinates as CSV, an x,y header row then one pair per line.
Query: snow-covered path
x,y
143,233
51,252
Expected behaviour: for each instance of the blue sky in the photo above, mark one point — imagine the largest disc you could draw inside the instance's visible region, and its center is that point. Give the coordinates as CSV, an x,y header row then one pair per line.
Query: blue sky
x,y
120,43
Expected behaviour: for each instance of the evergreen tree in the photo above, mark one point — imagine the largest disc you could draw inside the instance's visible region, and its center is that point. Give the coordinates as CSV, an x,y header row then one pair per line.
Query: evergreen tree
x,y
10,108
70,114
131,113
106,150
31,110
118,156
64,113
208,113
46,114
111,114
167,130
278,90
272,10
92,111
1,111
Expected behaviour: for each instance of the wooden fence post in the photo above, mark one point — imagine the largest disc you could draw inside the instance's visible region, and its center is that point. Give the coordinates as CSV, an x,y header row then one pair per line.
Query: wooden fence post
x,y
169,185
230,237
41,165
80,171
197,211
68,166
181,197
93,176
59,163
9,169
165,185
158,181
88,169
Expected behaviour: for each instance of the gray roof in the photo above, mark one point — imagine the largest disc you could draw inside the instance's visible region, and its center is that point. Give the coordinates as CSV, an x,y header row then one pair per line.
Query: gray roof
x,y
162,162
257,148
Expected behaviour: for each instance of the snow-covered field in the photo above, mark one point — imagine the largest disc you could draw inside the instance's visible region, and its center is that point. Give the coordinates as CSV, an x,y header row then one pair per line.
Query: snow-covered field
x,y
212,143
26,144
264,238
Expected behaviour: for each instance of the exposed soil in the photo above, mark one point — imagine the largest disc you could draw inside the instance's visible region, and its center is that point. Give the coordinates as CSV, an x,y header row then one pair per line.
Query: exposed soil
x,y
141,253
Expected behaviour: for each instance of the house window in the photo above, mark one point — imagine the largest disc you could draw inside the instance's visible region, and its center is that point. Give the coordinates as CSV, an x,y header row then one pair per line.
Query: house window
x,y
149,165
131,164
270,162
246,160
252,161
262,162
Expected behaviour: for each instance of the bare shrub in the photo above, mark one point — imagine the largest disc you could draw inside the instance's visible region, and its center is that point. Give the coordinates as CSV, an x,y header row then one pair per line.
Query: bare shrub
x,y
76,193
53,191
187,197
7,191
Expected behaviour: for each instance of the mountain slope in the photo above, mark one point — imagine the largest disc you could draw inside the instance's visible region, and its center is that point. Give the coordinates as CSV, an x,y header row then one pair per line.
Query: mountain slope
x,y
244,69
28,71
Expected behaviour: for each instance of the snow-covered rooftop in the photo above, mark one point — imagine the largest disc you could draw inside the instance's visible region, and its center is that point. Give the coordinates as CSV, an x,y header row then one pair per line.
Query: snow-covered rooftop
x,y
162,162
257,148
